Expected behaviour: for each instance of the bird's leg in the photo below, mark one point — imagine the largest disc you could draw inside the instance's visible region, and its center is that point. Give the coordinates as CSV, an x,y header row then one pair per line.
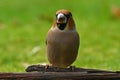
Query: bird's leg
x,y
72,68
47,67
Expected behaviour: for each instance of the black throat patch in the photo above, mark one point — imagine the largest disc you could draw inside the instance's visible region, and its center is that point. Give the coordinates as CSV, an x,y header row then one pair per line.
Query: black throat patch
x,y
61,26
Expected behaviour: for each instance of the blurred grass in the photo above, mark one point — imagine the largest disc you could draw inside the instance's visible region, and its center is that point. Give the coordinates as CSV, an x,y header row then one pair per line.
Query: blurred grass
x,y
24,24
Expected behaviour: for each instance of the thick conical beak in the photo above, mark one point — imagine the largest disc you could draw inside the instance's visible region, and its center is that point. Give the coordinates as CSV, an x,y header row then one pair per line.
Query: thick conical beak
x,y
61,18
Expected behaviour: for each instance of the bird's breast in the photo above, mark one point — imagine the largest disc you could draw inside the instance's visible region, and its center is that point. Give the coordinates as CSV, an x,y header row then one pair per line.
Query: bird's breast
x,y
61,38
62,47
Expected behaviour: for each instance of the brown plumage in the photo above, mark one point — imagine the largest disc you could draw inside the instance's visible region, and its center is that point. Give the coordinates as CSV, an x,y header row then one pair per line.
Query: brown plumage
x,y
62,40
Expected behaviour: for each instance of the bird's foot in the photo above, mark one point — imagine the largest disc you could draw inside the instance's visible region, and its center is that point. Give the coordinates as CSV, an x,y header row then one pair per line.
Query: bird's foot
x,y
47,67
72,68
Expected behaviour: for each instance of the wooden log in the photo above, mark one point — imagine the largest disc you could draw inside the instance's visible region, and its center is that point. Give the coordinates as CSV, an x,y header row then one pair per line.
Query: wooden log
x,y
43,68
59,76
72,69
40,72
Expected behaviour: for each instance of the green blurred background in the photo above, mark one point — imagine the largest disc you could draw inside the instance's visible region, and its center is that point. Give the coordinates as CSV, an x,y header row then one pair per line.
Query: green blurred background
x,y
24,24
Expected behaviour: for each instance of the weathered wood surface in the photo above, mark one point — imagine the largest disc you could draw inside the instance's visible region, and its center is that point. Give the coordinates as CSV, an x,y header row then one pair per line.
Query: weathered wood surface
x,y
59,76
39,72
43,68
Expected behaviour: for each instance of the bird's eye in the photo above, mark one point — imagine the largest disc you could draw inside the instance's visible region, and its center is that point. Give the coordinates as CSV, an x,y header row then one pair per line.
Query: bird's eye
x,y
68,16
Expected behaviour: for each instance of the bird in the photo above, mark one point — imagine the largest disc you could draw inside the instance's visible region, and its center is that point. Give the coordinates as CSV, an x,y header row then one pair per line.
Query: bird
x,y
62,41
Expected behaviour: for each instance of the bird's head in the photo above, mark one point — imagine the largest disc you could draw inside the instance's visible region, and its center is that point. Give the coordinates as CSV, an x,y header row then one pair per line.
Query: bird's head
x,y
64,20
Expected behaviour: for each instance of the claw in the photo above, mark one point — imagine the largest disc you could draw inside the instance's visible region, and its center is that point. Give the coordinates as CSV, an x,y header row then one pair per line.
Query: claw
x,y
46,67
72,68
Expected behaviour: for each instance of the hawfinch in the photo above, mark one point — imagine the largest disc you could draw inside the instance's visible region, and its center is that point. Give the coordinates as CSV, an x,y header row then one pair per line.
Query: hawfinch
x,y
62,40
